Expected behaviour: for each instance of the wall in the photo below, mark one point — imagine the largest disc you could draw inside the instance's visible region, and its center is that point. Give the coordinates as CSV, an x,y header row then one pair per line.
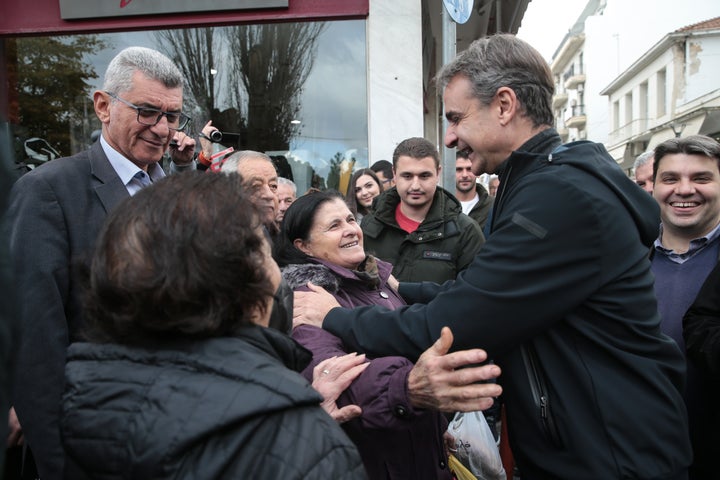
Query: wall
x,y
395,72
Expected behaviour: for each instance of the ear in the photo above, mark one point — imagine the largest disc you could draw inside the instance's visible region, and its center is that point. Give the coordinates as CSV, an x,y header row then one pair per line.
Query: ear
x,y
300,245
507,104
101,101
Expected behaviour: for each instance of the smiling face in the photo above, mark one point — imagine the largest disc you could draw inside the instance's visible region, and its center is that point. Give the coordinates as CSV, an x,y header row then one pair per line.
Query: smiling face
x,y
687,187
366,189
335,236
473,127
141,144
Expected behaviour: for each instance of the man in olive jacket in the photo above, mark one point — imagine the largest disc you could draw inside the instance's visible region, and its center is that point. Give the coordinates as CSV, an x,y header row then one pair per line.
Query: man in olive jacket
x,y
418,226
561,295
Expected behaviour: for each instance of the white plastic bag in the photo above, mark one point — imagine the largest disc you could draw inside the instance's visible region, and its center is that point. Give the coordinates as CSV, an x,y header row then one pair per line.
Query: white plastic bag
x,y
475,446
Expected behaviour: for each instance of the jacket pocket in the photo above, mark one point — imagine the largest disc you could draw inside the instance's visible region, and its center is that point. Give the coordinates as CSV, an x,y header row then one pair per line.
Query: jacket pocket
x,y
538,387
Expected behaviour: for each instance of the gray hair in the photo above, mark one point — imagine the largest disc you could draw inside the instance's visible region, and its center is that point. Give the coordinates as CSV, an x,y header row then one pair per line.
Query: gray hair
x,y
289,183
151,63
502,60
230,165
692,145
642,159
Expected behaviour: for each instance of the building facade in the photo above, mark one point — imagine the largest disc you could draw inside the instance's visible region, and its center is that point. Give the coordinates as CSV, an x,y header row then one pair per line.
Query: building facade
x,y
670,91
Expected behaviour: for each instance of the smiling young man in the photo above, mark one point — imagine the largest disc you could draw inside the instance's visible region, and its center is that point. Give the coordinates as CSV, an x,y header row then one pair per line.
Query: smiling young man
x,y
55,214
687,188
560,296
417,226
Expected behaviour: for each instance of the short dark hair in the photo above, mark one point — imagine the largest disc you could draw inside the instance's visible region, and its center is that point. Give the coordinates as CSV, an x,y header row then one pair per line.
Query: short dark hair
x,y
383,166
461,154
182,258
503,60
297,223
416,147
692,145
351,197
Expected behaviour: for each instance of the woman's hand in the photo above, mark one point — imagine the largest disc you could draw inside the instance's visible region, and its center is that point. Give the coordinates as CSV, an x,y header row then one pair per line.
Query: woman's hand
x,y
331,377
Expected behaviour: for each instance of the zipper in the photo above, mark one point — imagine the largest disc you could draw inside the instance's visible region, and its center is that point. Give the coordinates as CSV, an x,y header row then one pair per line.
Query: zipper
x,y
540,394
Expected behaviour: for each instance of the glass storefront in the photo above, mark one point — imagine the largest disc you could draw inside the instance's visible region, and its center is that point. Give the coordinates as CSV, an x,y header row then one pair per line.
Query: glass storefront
x,y
294,90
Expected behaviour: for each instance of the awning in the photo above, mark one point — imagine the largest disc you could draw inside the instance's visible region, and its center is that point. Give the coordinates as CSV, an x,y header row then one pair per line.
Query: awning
x,y
692,127
618,152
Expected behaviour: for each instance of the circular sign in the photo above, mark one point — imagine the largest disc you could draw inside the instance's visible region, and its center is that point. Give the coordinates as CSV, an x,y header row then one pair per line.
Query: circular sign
x,y
459,10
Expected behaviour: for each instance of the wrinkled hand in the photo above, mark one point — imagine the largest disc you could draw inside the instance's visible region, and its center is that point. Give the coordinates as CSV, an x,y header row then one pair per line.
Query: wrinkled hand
x,y
311,307
437,381
182,149
15,435
331,377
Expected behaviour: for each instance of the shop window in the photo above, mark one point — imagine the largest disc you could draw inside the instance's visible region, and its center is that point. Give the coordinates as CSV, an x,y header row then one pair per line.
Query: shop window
x,y
294,90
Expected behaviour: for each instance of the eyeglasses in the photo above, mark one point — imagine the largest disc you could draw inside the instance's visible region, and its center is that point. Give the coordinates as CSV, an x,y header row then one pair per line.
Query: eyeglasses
x,y
151,116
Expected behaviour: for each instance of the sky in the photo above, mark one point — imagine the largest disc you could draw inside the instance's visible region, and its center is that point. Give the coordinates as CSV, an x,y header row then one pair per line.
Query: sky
x,y
546,22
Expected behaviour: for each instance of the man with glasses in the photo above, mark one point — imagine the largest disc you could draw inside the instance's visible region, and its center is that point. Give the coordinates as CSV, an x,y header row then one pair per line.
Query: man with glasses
x,y
55,214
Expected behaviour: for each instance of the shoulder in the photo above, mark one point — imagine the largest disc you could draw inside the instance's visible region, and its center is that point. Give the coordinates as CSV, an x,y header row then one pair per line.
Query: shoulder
x,y
298,276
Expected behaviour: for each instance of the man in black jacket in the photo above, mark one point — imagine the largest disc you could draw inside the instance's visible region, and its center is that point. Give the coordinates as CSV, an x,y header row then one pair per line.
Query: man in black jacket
x,y
475,200
561,295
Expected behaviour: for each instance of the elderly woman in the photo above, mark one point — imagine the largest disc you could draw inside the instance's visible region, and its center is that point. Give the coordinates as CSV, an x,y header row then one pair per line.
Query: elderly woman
x,y
181,379
320,241
364,187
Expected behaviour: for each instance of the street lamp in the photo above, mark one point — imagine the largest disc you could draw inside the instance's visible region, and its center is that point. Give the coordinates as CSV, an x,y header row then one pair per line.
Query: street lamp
x,y
677,128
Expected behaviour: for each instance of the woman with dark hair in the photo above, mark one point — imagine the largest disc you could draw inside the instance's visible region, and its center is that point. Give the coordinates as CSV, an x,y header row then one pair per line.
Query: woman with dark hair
x,y
320,241
363,188
181,379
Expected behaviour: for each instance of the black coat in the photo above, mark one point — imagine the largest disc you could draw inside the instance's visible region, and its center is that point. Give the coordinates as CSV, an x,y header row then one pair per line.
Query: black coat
x,y
561,296
226,408
701,330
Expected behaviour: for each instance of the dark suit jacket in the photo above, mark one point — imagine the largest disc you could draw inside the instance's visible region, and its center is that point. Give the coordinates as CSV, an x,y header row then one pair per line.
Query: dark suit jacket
x,y
56,212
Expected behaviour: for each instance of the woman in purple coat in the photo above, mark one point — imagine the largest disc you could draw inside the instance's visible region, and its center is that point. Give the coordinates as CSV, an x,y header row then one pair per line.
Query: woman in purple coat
x,y
321,242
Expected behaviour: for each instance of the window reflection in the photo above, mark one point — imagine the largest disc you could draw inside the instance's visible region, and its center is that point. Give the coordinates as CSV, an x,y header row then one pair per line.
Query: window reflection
x,y
296,91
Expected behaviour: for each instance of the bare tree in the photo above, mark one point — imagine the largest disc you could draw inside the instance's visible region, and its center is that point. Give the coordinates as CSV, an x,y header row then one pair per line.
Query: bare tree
x,y
193,51
261,71
272,62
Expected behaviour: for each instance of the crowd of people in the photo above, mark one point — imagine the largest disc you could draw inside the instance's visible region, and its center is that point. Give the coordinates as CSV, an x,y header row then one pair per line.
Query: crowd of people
x,y
208,321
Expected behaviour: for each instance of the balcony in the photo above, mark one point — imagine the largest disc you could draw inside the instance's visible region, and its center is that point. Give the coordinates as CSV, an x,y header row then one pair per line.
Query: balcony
x,y
559,100
563,132
577,119
573,81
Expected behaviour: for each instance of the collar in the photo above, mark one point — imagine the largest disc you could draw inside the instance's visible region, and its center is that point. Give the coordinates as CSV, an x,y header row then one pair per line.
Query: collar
x,y
696,246
127,170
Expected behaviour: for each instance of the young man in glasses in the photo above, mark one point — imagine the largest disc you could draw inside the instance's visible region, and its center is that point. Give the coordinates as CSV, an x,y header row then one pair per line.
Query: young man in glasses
x,y
55,214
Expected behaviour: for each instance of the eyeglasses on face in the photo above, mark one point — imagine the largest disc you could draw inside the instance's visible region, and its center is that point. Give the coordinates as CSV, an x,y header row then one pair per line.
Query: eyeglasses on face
x,y
151,116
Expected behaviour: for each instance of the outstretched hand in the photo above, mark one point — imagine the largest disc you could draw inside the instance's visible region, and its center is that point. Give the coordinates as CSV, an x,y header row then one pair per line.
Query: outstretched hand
x,y
310,308
331,377
439,381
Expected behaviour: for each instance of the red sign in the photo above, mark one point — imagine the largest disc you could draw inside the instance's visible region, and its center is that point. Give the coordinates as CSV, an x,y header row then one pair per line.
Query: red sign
x,y
78,9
